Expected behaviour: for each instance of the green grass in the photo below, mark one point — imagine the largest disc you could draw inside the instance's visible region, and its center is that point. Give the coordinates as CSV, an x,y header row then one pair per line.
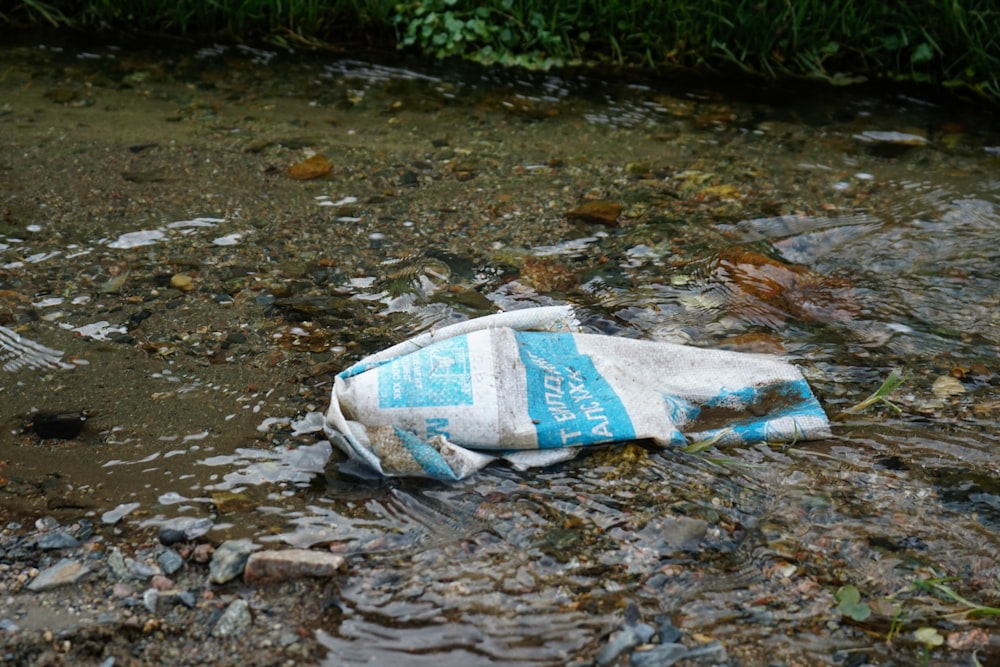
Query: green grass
x,y
880,395
942,42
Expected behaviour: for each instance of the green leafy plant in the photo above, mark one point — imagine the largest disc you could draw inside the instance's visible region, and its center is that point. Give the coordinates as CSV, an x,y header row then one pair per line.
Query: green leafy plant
x,y
930,638
907,605
953,44
898,618
701,445
940,588
47,12
849,603
505,33
891,384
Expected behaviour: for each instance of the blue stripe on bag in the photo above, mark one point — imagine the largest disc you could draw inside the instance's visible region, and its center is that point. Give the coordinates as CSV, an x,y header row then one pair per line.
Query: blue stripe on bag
x,y
429,458
568,399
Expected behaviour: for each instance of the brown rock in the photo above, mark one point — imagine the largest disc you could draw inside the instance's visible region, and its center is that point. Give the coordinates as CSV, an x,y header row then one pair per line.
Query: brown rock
x,y
758,342
600,211
547,275
768,292
310,168
273,566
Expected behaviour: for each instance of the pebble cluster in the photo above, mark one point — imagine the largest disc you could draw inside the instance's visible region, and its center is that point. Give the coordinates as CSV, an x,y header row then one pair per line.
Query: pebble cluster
x,y
64,584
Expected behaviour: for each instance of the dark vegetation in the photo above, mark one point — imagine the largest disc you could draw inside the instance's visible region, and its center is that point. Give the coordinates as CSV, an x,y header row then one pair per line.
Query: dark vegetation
x,y
951,43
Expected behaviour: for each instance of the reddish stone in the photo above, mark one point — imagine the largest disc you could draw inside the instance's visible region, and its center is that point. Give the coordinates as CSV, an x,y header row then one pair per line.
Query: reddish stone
x,y
203,553
273,566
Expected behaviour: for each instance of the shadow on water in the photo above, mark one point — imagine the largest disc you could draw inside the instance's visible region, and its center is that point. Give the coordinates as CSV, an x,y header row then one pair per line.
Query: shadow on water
x,y
166,275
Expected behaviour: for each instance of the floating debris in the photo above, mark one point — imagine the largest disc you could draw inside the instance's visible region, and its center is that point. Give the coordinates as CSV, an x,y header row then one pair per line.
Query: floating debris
x,y
517,385
102,330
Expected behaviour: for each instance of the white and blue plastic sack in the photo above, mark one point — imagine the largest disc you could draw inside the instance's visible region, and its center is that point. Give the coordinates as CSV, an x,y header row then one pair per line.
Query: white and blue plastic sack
x,y
526,387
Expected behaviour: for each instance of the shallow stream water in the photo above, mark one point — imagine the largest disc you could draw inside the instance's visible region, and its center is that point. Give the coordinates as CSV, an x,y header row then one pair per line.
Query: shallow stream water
x,y
170,289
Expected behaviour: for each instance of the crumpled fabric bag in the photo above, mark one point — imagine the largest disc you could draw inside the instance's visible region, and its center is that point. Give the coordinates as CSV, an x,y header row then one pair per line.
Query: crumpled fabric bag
x,y
527,387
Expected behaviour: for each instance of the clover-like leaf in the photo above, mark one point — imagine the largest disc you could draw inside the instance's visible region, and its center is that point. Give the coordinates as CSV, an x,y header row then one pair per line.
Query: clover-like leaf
x,y
928,636
849,603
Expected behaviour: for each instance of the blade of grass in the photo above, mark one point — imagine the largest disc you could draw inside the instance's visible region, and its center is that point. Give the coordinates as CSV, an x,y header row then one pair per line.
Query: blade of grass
x,y
891,384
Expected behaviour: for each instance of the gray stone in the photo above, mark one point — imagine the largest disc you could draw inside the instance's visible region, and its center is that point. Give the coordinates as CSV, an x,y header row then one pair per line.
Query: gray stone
x,y
66,571
140,570
185,598
662,655
712,652
183,529
229,560
171,536
234,621
149,599
57,540
683,533
273,566
619,642
644,631
46,523
668,633
170,561
116,561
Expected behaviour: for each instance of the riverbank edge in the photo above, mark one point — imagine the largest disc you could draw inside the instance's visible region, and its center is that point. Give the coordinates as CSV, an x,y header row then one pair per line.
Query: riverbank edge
x,y
954,49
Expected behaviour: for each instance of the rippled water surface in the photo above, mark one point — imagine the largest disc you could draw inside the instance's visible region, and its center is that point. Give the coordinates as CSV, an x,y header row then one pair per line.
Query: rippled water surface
x,y
166,283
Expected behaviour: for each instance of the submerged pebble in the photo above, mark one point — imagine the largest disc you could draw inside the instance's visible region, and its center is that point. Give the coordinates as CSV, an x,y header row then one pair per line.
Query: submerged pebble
x,y
229,560
234,621
169,561
618,643
57,540
183,529
150,597
661,655
66,571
